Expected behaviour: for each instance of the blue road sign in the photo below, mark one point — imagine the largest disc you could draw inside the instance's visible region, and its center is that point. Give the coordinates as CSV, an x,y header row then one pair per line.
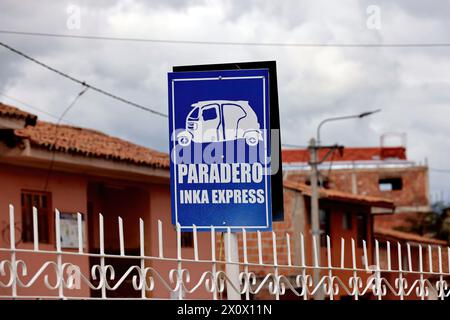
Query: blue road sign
x,y
220,149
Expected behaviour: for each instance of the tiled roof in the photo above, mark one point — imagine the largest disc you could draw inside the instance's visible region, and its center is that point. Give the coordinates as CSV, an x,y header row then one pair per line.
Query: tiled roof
x,y
7,111
349,154
406,236
340,196
90,143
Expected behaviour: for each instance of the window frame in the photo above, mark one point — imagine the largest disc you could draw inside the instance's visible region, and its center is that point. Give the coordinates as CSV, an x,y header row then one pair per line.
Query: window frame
x,y
396,184
29,238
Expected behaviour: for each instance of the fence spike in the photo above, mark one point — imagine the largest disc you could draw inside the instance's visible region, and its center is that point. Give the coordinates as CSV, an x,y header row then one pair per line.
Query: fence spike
x,y
229,244
302,249
315,249
430,260
121,240
274,247
342,253
388,251
420,259
213,244
57,230
12,239
408,248
101,234
178,227
80,232
365,257
35,229
12,231
142,252
377,254
141,237
448,260
160,239
244,242
328,251
288,247
399,255
353,254
194,235
260,257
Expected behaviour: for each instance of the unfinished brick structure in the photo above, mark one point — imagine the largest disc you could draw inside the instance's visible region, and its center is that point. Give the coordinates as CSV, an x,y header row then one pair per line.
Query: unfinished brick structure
x,y
346,216
381,172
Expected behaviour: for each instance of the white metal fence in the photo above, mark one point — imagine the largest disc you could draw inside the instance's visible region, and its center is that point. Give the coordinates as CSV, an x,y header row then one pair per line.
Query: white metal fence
x,y
381,280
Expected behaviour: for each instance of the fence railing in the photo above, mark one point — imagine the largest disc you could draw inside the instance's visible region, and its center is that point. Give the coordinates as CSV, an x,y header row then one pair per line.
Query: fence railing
x,y
397,272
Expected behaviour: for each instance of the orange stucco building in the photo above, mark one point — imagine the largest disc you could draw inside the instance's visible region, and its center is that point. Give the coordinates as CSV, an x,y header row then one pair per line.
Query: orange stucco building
x,y
80,170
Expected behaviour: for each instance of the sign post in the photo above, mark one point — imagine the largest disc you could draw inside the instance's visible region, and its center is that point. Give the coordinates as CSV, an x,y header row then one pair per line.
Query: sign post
x,y
220,155
232,270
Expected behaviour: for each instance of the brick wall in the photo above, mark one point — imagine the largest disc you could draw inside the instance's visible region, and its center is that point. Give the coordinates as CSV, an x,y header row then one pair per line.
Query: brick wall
x,y
410,201
414,190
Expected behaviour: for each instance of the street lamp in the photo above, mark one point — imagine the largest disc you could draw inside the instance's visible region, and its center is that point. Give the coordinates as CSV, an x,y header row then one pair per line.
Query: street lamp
x,y
314,162
356,116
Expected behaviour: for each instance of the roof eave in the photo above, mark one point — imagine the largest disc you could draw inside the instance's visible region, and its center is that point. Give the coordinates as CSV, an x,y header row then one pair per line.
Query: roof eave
x,y
32,156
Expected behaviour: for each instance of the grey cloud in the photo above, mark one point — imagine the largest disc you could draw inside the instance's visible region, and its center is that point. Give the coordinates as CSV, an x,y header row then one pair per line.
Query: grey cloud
x,y
409,84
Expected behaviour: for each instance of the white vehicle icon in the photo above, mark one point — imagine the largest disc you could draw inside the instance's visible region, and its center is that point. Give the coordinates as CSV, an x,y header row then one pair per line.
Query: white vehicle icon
x,y
221,120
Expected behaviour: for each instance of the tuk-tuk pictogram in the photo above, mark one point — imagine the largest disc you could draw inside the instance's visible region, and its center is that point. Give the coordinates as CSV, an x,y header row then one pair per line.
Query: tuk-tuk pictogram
x,y
221,120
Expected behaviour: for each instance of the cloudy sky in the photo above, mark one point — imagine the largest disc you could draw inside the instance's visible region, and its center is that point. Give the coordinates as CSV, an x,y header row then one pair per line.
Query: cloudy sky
x,y
410,84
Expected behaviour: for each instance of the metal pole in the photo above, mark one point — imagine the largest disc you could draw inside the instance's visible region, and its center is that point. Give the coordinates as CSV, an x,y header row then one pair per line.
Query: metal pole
x,y
355,116
232,270
315,221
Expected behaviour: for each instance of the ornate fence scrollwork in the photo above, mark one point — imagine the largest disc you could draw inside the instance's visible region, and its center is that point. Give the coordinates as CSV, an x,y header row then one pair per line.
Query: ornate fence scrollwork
x,y
57,276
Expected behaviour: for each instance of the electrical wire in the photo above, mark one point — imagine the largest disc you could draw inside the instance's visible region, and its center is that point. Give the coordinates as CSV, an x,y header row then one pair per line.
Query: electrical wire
x,y
94,88
33,107
328,175
53,147
229,43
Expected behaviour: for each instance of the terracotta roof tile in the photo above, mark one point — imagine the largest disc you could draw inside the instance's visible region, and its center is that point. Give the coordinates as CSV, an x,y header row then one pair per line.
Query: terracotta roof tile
x,y
340,196
90,143
407,236
7,111
349,154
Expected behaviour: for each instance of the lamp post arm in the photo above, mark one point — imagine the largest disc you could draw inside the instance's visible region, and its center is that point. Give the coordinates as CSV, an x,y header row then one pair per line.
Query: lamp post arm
x,y
332,119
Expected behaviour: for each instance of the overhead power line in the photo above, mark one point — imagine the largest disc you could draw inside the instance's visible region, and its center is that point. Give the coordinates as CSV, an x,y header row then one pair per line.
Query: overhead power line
x,y
53,148
229,43
94,88
34,108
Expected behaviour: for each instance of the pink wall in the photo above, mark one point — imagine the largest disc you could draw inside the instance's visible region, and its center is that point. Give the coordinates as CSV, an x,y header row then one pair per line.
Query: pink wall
x,y
68,194
71,193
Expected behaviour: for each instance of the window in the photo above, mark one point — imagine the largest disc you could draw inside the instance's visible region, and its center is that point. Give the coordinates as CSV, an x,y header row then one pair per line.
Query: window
x,y
209,114
347,221
42,202
362,228
390,184
324,219
194,113
187,240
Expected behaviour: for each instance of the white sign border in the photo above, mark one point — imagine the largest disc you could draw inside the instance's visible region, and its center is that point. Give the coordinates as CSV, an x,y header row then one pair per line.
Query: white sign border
x,y
265,152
